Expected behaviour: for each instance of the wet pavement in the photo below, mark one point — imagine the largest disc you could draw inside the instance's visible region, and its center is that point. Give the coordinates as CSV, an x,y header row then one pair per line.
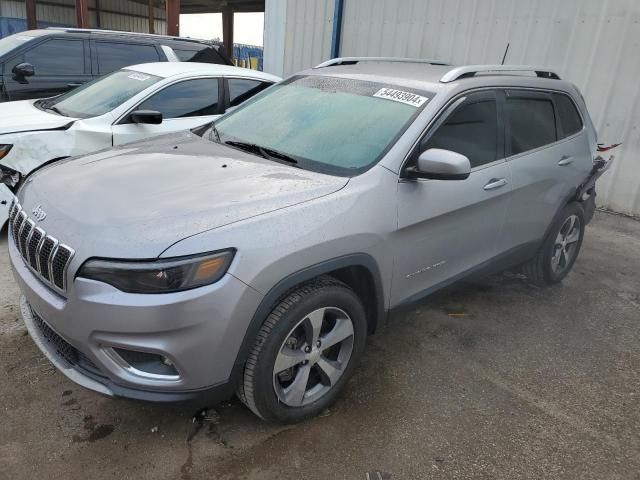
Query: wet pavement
x,y
490,379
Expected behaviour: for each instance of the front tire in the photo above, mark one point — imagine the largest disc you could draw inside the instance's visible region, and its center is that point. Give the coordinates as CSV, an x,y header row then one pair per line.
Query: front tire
x,y
305,352
560,249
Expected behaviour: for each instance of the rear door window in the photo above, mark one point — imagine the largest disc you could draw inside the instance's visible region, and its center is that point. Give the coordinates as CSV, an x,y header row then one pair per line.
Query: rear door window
x,y
241,89
114,55
532,121
191,98
569,118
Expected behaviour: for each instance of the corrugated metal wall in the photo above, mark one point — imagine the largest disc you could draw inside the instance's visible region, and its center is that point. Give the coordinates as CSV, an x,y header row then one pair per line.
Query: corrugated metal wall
x,y
594,43
307,33
114,14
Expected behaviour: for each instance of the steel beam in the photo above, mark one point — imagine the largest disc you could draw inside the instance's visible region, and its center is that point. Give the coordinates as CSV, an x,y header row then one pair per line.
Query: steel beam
x,y
336,34
152,27
82,13
173,17
227,31
32,22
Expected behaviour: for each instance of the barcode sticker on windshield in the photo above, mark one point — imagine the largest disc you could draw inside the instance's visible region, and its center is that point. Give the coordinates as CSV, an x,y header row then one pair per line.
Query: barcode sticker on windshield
x,y
139,76
408,98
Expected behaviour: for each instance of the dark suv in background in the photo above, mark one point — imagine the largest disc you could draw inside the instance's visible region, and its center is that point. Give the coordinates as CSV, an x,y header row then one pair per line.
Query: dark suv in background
x,y
44,63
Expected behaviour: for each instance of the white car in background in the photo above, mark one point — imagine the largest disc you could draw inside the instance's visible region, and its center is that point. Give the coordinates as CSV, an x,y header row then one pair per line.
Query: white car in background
x,y
131,104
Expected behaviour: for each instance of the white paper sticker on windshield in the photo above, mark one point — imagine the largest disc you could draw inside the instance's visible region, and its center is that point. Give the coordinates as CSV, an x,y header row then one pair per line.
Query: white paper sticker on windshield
x,y
139,76
408,98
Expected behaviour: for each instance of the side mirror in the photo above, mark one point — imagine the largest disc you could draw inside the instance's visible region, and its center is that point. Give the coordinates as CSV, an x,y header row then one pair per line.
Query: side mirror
x,y
150,117
22,71
438,164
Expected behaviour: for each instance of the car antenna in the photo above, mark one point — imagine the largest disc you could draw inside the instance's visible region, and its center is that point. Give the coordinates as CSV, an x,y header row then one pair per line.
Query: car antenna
x,y
504,57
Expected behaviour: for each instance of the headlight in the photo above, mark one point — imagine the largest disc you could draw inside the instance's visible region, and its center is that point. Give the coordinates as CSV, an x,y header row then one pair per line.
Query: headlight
x,y
159,276
4,150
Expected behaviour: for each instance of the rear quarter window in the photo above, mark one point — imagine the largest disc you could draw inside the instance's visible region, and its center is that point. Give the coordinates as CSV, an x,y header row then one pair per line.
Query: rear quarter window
x,y
570,120
201,55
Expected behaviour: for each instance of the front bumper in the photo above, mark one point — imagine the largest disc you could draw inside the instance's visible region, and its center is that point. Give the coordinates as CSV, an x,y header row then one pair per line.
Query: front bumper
x,y
199,331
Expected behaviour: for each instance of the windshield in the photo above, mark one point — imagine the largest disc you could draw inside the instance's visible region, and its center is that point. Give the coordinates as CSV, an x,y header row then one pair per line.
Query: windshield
x,y
335,125
102,95
7,44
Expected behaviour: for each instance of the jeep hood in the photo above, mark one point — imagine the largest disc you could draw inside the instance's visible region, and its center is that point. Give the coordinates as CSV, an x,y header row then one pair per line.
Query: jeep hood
x,y
24,116
137,200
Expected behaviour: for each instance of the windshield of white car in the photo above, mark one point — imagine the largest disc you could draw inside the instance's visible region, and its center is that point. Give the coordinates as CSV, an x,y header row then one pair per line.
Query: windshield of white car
x,y
7,44
100,96
333,125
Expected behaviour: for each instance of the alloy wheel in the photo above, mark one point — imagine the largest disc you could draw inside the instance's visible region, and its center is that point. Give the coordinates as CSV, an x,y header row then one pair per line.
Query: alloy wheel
x,y
313,357
565,246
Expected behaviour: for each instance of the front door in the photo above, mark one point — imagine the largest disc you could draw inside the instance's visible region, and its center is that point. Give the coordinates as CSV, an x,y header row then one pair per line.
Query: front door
x,y
59,64
184,105
446,228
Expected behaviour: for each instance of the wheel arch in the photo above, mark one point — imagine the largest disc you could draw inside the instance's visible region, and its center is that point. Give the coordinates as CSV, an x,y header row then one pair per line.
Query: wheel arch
x,y
359,271
571,198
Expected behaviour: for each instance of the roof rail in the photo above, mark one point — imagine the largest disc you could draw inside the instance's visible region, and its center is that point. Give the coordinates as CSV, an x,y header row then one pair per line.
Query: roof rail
x,y
120,32
353,60
470,70
97,30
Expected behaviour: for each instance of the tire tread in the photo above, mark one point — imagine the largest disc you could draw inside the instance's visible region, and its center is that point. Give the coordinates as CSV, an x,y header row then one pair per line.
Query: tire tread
x,y
245,390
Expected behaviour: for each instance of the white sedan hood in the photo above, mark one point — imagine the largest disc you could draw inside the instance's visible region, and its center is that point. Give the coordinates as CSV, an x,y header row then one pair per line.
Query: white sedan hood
x,y
24,116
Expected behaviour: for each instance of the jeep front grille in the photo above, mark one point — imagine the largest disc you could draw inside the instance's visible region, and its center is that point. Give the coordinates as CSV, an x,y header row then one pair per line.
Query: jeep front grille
x,y
42,253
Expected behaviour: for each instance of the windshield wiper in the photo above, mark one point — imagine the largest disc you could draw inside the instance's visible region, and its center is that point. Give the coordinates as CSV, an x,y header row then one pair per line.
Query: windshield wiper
x,y
54,109
280,155
267,153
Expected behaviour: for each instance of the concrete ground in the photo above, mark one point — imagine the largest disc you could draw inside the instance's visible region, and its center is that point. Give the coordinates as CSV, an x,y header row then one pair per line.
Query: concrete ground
x,y
495,379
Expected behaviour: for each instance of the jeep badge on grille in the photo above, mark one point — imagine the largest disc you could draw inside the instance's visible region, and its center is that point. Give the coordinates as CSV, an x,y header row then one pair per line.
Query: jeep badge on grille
x,y
38,213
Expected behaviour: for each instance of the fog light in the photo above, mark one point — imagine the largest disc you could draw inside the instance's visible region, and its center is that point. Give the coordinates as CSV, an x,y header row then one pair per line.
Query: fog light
x,y
145,364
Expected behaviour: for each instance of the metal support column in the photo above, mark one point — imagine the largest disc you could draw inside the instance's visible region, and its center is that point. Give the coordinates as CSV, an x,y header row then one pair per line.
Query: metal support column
x,y
82,13
173,17
98,19
32,22
338,7
152,28
227,31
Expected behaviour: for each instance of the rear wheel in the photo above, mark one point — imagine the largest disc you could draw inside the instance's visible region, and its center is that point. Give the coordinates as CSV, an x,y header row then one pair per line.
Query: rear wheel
x,y
560,249
305,352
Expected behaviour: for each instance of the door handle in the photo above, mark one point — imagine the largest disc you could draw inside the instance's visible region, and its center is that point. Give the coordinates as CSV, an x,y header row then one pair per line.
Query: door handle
x,y
495,183
73,85
565,160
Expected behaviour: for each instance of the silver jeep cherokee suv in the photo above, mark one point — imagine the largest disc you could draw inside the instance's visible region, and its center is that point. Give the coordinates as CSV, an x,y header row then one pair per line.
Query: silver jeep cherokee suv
x,y
257,255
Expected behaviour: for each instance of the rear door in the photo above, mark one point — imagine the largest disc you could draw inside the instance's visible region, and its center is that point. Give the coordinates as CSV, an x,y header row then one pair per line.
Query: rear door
x,y
184,105
60,64
548,156
446,228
